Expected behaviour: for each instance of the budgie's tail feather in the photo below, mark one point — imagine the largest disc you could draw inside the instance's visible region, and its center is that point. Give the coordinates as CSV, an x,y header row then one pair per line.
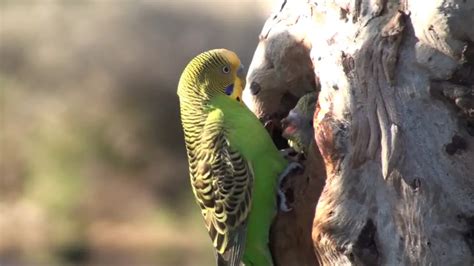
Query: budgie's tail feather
x,y
220,260
233,256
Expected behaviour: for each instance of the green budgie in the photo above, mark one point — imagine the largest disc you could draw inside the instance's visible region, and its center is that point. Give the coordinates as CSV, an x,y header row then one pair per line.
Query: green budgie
x,y
234,165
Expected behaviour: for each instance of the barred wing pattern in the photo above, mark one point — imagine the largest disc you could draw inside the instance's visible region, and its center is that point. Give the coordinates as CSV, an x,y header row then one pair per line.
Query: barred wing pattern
x,y
222,182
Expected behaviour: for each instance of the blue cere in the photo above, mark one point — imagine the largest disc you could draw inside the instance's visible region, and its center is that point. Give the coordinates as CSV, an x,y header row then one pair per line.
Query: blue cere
x,y
229,89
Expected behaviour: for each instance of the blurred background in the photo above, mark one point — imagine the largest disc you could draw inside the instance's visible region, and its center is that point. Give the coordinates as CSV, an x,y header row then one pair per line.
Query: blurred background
x,y
93,169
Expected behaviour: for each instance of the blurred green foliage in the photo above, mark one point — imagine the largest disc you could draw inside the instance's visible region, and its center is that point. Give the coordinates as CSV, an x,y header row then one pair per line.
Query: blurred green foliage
x,y
92,163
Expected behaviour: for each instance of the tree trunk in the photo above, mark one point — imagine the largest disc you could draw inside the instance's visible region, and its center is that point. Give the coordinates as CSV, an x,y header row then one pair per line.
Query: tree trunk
x,y
394,126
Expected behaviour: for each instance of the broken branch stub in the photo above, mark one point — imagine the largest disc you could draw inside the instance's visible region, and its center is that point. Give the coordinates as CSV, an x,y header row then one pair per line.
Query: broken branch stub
x,y
281,70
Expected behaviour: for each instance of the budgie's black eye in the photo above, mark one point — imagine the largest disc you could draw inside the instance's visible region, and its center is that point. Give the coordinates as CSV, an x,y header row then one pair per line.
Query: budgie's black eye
x,y
225,70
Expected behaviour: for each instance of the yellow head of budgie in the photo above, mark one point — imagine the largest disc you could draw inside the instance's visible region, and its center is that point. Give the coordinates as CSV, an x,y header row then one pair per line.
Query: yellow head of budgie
x,y
215,71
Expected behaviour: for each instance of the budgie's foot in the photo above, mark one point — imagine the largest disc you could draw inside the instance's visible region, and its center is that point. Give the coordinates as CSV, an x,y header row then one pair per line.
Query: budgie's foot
x,y
283,205
290,169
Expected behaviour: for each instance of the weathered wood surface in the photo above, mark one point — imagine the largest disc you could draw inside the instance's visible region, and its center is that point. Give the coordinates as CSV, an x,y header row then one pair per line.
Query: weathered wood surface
x,y
291,241
280,73
394,126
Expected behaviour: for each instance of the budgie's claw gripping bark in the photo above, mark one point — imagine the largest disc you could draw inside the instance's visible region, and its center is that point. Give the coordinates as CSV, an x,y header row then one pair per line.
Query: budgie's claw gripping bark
x,y
292,167
283,202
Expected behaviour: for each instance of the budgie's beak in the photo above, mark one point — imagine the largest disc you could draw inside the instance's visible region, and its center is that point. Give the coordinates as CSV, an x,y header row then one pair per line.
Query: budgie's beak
x,y
240,72
239,84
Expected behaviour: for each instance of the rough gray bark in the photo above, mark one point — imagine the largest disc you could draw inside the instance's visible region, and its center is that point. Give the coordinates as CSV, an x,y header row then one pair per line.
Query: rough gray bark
x,y
394,125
